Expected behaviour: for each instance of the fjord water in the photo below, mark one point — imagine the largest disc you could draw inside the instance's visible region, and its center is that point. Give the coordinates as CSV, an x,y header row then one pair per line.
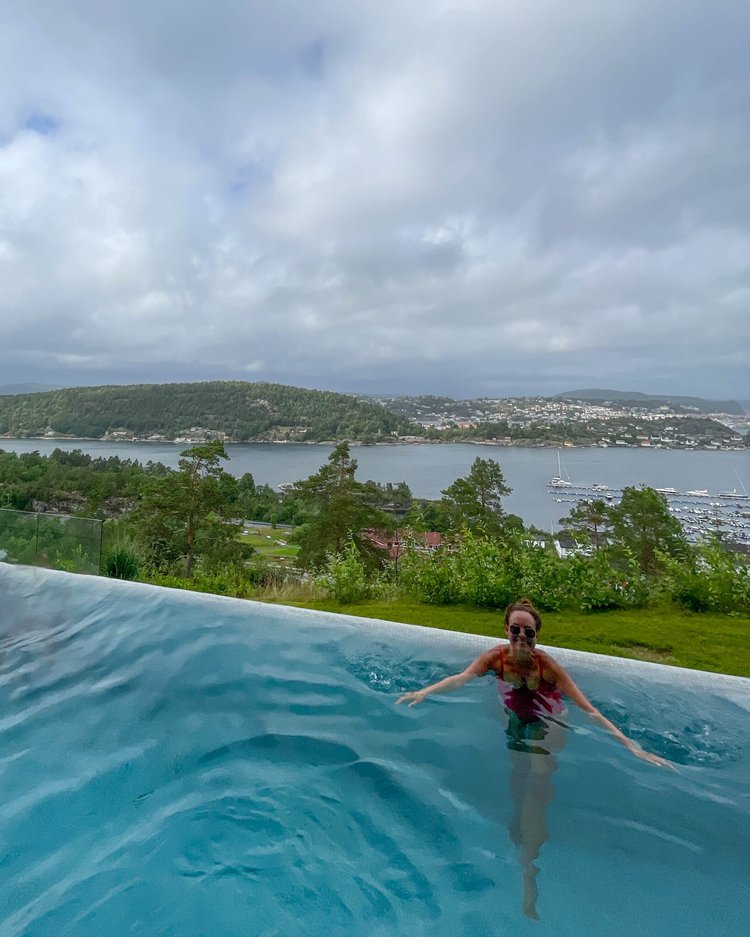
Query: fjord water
x,y
429,468
182,765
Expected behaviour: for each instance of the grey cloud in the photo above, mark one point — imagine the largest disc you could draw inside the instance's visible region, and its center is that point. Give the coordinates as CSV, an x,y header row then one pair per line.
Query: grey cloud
x,y
432,196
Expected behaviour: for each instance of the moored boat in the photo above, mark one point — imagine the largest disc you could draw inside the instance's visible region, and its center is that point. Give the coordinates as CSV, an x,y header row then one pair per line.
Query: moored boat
x,y
557,481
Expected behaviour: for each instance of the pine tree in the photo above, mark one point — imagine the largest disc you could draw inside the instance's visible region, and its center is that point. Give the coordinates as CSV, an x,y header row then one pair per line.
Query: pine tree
x,y
340,508
185,515
476,501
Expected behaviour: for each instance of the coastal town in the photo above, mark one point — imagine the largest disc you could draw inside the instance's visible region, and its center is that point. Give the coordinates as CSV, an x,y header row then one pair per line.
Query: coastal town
x,y
552,421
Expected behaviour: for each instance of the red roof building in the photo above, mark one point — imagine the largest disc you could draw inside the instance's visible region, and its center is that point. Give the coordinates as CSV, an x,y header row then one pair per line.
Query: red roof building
x,y
396,543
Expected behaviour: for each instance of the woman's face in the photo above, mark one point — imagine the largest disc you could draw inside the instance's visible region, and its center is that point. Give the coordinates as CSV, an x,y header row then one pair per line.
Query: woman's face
x,y
521,630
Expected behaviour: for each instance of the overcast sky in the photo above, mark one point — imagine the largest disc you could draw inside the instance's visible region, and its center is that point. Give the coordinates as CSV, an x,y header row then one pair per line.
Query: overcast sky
x,y
484,197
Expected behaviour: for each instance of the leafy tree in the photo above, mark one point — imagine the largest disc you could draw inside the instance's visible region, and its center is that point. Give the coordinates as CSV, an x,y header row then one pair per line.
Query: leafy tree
x,y
245,487
643,527
339,508
428,515
185,515
591,519
396,497
476,501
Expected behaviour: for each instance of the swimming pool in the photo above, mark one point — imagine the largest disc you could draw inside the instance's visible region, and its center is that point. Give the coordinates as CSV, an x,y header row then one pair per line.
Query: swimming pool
x,y
175,764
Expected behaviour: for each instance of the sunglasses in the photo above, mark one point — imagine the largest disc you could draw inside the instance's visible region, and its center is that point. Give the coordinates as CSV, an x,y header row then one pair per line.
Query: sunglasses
x,y
529,632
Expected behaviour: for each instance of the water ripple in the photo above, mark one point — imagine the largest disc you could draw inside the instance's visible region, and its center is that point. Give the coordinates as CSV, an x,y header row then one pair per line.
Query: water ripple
x,y
172,765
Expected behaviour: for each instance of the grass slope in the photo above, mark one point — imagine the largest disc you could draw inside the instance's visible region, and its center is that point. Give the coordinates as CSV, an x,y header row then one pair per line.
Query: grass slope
x,y
715,643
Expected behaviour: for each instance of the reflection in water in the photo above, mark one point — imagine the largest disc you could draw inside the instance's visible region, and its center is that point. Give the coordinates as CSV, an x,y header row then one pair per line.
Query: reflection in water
x,y
532,748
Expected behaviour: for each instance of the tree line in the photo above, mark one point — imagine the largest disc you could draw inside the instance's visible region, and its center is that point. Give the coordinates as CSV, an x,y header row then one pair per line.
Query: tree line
x,y
185,526
237,410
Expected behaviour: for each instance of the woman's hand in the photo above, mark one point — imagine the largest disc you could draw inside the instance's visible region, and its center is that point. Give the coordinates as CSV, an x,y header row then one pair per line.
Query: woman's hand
x,y
652,759
414,696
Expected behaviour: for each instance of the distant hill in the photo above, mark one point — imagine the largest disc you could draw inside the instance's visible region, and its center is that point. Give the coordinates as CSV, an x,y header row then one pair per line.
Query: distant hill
x,y
240,410
26,388
637,399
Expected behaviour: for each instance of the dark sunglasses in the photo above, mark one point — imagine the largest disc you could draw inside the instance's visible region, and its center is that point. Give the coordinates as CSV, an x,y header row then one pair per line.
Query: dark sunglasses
x,y
529,632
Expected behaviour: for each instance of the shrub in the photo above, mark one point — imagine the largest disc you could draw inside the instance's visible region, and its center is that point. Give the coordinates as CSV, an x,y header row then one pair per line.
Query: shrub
x,y
121,560
263,573
344,576
228,581
492,573
427,578
716,581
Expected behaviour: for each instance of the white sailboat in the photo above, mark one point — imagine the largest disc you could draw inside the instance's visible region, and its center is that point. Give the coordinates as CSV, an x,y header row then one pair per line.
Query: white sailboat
x,y
557,481
744,496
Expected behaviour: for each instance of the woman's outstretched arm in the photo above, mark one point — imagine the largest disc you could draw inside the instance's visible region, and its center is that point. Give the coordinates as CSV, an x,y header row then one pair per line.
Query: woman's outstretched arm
x,y
477,668
567,686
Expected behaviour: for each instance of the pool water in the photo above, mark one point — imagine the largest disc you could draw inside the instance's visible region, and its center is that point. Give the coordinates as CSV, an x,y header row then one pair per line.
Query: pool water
x,y
175,764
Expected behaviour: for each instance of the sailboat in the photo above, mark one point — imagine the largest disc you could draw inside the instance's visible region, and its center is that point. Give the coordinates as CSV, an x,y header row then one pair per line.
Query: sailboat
x,y
557,481
736,495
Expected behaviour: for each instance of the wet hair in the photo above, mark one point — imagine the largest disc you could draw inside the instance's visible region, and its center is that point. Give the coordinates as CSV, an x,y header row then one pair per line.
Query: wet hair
x,y
524,605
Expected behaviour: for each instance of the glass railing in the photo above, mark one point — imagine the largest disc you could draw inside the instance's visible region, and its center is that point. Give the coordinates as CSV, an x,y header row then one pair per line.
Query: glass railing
x,y
58,541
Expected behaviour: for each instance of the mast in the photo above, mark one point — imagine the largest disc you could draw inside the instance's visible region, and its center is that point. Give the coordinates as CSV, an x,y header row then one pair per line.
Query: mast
x,y
740,481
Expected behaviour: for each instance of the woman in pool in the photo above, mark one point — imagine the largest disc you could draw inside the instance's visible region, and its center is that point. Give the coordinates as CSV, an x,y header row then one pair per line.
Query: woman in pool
x,y
532,685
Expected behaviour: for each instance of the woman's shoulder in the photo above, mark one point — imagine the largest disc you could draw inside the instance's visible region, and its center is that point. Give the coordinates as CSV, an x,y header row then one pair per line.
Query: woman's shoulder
x,y
496,652
492,658
548,663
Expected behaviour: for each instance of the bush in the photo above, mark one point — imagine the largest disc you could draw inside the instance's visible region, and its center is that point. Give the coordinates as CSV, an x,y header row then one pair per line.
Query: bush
x,y
492,573
478,571
427,578
595,584
75,561
344,576
262,573
121,560
716,581
228,581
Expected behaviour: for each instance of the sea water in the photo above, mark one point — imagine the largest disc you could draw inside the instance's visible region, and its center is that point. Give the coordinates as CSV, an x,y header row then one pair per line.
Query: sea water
x,y
173,764
428,469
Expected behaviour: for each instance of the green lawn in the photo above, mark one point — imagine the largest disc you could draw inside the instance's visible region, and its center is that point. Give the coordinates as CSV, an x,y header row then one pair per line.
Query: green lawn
x,y
705,642
291,550
268,541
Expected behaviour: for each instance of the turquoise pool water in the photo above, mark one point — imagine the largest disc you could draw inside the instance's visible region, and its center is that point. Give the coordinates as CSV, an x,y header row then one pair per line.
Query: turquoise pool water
x,y
173,764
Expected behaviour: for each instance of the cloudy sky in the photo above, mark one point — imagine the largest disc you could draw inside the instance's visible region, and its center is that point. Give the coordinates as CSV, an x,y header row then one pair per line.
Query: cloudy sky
x,y
473,197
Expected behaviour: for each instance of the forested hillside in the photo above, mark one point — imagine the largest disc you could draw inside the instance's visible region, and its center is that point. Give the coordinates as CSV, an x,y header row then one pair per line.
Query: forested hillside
x,y
238,410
